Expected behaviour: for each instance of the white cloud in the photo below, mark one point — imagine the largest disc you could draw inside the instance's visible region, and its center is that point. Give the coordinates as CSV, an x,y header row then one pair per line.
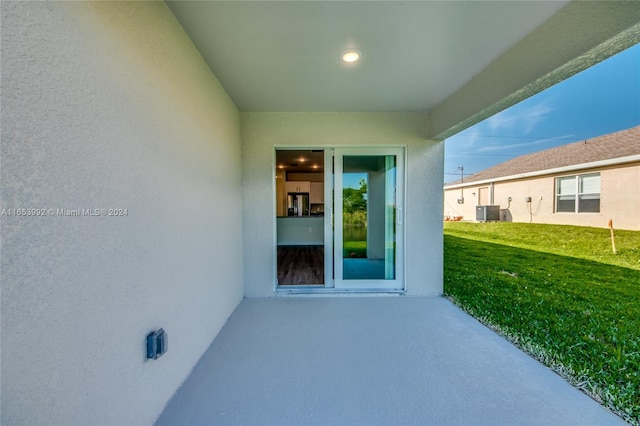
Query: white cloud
x,y
518,130
521,120
520,145
467,139
524,117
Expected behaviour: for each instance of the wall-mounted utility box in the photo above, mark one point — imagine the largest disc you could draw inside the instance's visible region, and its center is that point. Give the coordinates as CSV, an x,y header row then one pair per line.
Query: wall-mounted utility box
x,y
487,213
156,344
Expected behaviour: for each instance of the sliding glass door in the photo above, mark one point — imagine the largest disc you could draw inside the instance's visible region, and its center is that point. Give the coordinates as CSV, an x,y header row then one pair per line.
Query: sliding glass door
x,y
368,230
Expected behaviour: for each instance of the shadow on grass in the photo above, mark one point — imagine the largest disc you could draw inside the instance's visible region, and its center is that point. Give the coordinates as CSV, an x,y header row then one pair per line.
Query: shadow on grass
x,y
580,317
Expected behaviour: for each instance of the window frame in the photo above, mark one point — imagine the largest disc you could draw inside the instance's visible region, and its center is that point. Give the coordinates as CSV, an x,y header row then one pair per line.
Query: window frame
x,y
576,194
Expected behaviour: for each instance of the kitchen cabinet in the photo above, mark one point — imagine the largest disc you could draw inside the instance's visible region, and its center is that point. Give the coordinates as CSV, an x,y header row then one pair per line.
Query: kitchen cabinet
x,y
316,195
294,186
281,196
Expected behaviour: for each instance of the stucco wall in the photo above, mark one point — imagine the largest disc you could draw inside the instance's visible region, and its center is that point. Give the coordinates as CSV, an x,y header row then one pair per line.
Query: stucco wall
x,y
619,199
108,105
467,209
261,132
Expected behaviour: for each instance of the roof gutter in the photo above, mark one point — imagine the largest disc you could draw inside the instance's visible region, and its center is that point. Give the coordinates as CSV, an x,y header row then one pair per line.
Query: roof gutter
x,y
593,164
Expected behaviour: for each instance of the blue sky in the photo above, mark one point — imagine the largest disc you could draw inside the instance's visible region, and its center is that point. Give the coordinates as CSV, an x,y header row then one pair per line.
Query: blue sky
x,y
352,180
600,100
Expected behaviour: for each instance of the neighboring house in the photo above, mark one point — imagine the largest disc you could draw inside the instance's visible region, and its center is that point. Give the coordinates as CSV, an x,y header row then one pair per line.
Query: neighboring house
x,y
584,183
168,117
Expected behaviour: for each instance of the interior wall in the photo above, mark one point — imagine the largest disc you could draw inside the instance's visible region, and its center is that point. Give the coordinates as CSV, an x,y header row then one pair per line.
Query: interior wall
x,y
261,132
109,106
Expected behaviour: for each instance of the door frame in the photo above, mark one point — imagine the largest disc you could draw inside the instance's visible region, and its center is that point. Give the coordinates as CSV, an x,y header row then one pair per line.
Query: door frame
x,y
397,283
329,245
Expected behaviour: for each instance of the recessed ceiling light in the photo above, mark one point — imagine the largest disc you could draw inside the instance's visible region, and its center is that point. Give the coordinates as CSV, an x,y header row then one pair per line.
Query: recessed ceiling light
x,y
351,55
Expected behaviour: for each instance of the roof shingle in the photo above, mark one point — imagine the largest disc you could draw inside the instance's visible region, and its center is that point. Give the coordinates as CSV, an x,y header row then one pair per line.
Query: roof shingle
x,y
613,145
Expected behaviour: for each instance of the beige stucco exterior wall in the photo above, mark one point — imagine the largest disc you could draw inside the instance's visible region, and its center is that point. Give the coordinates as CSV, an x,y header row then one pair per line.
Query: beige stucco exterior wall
x,y
619,199
109,105
261,132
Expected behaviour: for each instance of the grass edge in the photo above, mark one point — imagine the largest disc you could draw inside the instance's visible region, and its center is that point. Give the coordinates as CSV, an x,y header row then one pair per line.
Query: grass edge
x,y
543,356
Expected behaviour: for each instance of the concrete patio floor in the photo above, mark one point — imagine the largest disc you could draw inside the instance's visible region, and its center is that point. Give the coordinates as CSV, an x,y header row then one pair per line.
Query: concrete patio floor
x,y
367,361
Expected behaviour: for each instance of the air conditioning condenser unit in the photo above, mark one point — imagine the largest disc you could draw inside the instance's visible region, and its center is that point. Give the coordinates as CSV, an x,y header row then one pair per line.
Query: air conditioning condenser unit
x,y
487,213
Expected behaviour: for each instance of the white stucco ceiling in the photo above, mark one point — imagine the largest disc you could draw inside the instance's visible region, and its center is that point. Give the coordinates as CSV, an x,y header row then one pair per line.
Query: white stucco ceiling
x,y
284,56
461,61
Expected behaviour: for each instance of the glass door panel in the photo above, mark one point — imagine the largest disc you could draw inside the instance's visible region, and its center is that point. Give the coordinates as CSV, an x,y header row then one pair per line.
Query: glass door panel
x,y
369,235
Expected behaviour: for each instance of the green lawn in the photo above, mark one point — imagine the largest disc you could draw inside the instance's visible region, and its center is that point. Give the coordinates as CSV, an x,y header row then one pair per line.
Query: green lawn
x,y
559,293
354,249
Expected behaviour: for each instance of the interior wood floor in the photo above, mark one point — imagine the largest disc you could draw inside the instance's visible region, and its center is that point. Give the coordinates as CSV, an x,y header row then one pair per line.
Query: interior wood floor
x,y
300,265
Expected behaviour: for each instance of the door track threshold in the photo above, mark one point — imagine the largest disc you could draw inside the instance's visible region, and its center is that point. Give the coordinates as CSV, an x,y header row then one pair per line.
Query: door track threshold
x,y
311,291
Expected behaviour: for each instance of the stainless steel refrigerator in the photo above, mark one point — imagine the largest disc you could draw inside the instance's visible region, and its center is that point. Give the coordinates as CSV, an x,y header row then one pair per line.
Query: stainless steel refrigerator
x,y
298,204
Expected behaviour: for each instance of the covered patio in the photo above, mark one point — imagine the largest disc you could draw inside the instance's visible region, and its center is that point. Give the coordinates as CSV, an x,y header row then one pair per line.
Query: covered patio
x,y
165,118
370,360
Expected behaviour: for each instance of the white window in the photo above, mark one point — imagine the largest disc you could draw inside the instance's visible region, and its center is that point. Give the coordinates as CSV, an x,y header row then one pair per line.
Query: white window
x,y
578,194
